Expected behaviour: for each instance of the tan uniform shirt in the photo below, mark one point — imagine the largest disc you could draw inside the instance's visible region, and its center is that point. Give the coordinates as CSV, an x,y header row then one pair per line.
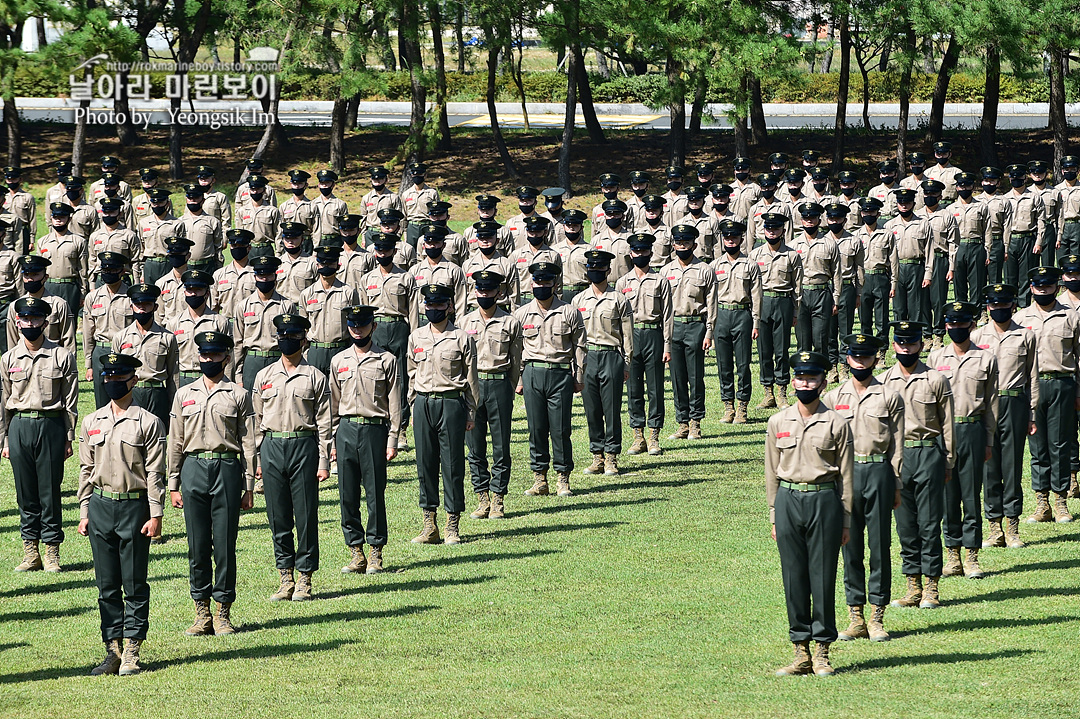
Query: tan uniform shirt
x,y
44,380
781,271
504,240
253,325
325,309
879,256
444,272
755,225
243,197
913,240
156,348
10,279
104,314
738,282
946,175
392,293
329,212
1051,199
69,256
299,209
295,275
554,335
945,231
172,302
915,183
97,190
294,401
498,342
510,290
1028,215
1057,336
662,249
366,385
122,453
972,222
812,450
119,239
264,221
928,405
1068,203
820,262
876,418
374,201
674,206
1017,355
516,227
59,325
973,377
415,201
1000,211
525,256
886,195
205,231
852,259
185,326
84,218
743,197
573,264
708,227
233,283
615,242
443,362
21,204
354,265
153,231
608,318
599,217
218,420
693,291
140,205
649,295
217,204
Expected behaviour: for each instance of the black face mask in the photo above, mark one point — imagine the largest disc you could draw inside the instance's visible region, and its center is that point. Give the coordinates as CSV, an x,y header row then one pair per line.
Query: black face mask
x,y
553,207
820,186
33,287
485,302
257,196
767,193
143,318
989,189
836,227
869,220
325,191
596,276
810,230
159,210
110,278
116,389
31,333
1069,175
640,191
73,194
641,261
290,345
610,194
960,334
294,251
653,221
195,301
487,251
110,220
861,374
794,190
741,176
194,207
418,180
299,191
384,261
966,194
1017,181
774,240
1001,314
535,240
433,252
211,369
732,250
941,161
435,316
239,252
720,207
177,260
931,200
543,293
526,209
906,213
695,211
888,180
674,184
351,240
614,222
917,170
1071,285
807,396
361,342
266,286
1044,300
328,271
847,191
908,360
111,192
684,255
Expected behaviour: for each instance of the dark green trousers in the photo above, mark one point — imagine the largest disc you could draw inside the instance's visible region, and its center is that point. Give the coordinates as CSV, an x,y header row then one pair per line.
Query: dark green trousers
x,y
733,343
843,322
4,305
1055,420
439,436
494,411
289,469
37,460
1070,239
208,265
774,339
939,292
688,370
319,357
809,526
549,402
815,320
997,259
413,232
155,400
646,372
874,308
922,507
874,489
393,336
154,270
969,274
121,558
1048,255
1019,263
212,490
911,298
70,291
253,364
963,523
602,398
100,398
261,249
1003,489
361,461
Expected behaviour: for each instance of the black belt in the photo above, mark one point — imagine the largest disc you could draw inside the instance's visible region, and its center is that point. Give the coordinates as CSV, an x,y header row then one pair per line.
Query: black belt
x,y
38,413
453,394
807,486
356,419
1023,233
119,496
549,365
215,455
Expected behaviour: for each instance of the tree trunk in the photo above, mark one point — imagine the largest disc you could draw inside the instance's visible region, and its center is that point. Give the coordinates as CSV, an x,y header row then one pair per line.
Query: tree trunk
x,y
176,140
338,121
759,133
353,111
14,132
496,132
125,131
443,145
569,116
459,34
639,65
826,61
701,87
382,34
991,97
78,142
596,131
236,50
941,89
886,51
602,66
274,134
677,107
905,97
42,39
515,73
840,130
1057,105
742,144
409,42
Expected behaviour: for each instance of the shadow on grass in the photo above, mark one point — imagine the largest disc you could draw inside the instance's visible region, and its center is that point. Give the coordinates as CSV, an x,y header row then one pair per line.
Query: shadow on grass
x,y
45,614
511,532
47,588
1056,539
256,652
413,585
1004,595
571,505
13,645
643,484
477,559
921,659
1041,566
356,615
967,625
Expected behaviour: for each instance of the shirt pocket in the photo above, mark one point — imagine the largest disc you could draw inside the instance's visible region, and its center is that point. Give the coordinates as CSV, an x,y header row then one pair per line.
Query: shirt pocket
x,y
976,383
499,344
610,321
51,385
130,444
450,361
786,444
924,407
373,382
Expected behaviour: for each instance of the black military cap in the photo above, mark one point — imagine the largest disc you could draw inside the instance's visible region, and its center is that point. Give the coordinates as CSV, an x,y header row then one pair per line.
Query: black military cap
x,y
119,364
1042,276
544,271
905,195
434,233
439,207
178,245
940,148
573,217
810,209
113,259
435,293
906,331
720,190
1016,170
197,278
845,176
811,155
144,293
265,264
291,324
774,219
204,171
684,233
527,193
991,173
11,171
293,229
932,187
696,193
836,209
960,312
389,215
641,241
732,228
378,171
149,174
32,263
1037,166
794,174
999,294
741,163
360,315
257,181
110,161
653,202
487,202
1070,264
327,253
299,176
111,204
326,176
32,307
863,345
486,228
384,240
819,174
60,208
536,223
916,158
778,158
72,181
704,168
212,341
158,194
110,178
640,177
888,167
673,171
417,168
349,222
609,179
809,363
254,165
194,192
766,179
598,258
553,193
966,178
239,237
487,280
1070,161
63,167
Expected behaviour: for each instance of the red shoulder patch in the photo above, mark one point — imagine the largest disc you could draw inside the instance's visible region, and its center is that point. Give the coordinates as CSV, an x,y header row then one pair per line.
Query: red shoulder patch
x,y
342,369
943,368
781,435
126,346
418,349
188,403
93,432
97,306
267,386
249,314
842,406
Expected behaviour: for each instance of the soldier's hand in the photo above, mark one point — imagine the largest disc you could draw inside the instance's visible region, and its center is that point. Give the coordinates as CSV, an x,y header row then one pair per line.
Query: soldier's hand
x,y
892,294
67,450
858,301
1037,250
469,426
835,309
753,334
949,276
258,473
578,386
152,528
247,500
177,499
390,454
1057,245
987,261
520,389
89,375
925,283
667,357
706,343
322,475
845,536
83,524
1032,429
333,454
6,453
774,532
896,500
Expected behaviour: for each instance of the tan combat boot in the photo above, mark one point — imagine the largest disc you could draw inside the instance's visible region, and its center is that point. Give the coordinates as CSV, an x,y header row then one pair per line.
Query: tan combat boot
x,y
611,464
31,557
953,566
498,511
654,442
994,537
302,593
729,412
111,663
801,664
223,619
403,439
204,622
483,505
51,560
374,565
914,592
845,371
1061,509
452,521
740,413
1012,533
876,626
259,487
129,660
1074,487
972,570
158,538
639,445
286,588
564,485
833,377
857,628
1042,508
821,660
430,533
357,561
930,599
540,485
783,401
597,466
683,432
695,429
769,400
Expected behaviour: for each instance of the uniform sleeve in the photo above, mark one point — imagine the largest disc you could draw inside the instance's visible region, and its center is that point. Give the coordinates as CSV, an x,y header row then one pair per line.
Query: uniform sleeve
x,y
460,294
257,407
88,341
86,468
845,461
154,438
952,236
335,398
772,457
322,419
1032,367
894,265
945,419
627,330
927,241
516,340
667,313
250,455
990,414
1038,208
838,276
69,366
895,453
755,293
175,444
5,413
410,358
473,378
577,336
860,272
711,309
392,370
414,308
797,261
1006,222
